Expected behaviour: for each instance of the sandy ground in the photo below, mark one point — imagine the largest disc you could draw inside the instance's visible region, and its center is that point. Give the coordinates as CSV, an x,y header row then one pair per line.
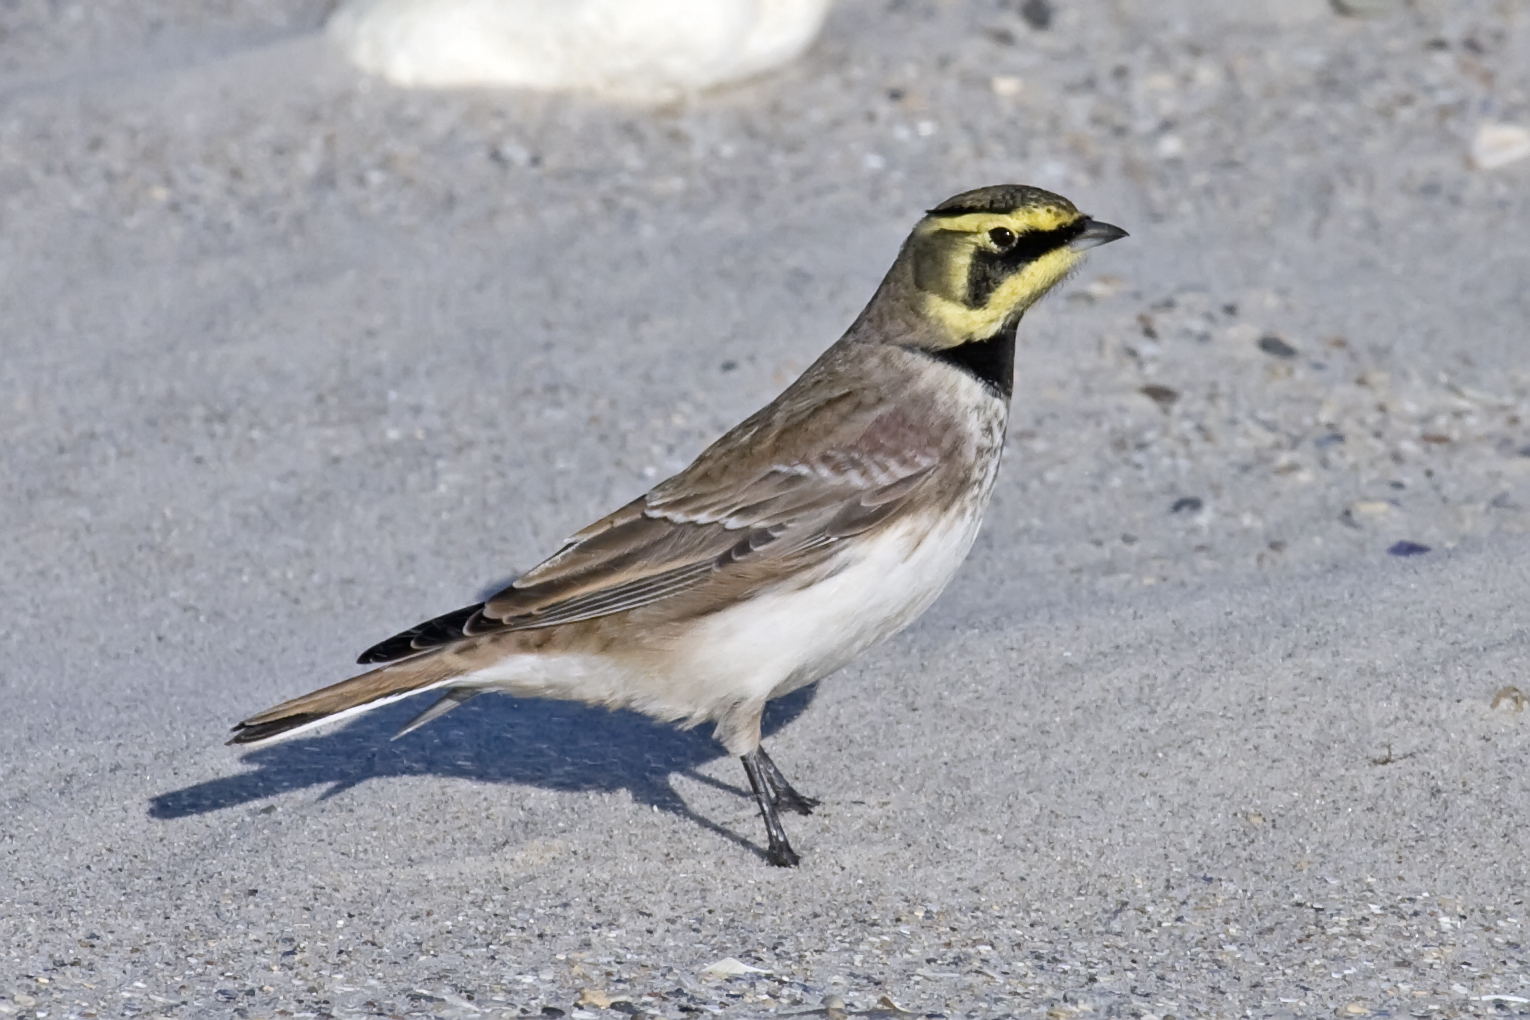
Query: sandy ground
x,y
293,360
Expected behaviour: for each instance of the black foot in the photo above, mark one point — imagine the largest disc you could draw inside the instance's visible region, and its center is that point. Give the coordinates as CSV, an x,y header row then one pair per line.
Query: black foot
x,y
781,791
779,852
782,856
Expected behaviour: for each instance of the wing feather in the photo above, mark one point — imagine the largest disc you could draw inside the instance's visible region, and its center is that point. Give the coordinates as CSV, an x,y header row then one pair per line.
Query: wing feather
x,y
748,498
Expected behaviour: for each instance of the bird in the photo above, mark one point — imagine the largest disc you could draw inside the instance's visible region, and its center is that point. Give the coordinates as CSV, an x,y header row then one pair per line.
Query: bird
x,y
822,524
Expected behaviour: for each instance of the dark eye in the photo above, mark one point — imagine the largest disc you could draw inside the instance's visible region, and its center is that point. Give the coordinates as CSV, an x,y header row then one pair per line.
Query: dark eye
x,y
1002,238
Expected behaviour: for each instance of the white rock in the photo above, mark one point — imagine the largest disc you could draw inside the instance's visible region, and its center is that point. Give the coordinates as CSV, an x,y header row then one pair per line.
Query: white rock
x,y
1497,145
1006,85
1170,147
730,966
649,50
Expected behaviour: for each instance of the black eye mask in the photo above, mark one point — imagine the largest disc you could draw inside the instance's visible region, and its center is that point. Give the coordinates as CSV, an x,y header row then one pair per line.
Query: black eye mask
x,y
991,268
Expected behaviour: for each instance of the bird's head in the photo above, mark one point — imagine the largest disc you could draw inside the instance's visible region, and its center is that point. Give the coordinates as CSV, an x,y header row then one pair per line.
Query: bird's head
x,y
979,260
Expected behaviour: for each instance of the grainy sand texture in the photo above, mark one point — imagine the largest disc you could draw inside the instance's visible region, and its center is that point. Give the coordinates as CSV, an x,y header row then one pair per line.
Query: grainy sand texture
x,y
1225,717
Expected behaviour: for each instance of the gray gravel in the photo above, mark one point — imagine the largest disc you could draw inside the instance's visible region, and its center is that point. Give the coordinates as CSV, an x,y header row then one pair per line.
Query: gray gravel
x,y
293,359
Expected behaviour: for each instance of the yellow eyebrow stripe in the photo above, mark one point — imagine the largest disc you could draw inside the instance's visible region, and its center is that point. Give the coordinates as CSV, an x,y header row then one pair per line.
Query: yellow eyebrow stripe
x,y
1009,299
1044,217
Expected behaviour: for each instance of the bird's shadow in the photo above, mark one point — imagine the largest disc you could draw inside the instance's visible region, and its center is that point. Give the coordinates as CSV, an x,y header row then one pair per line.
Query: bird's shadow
x,y
495,739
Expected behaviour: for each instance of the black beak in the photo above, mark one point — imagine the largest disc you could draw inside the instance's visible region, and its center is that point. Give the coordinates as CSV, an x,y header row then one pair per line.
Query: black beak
x,y
1095,234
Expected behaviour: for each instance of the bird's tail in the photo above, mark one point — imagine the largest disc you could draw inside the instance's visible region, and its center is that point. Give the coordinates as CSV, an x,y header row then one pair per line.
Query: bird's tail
x,y
359,694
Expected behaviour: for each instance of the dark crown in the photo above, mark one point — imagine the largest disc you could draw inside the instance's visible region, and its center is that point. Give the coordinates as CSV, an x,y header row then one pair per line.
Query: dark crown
x,y
1000,198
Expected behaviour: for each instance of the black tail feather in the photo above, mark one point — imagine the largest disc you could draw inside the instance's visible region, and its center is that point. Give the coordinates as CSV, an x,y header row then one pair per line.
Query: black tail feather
x,y
440,631
250,733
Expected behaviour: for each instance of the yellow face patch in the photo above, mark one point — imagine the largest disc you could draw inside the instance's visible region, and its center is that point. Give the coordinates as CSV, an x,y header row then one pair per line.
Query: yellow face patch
x,y
978,271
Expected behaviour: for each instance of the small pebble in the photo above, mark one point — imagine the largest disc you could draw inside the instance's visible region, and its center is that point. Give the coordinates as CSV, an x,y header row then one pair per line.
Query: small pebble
x,y
1163,396
1006,85
731,967
1366,8
1513,697
1496,145
1104,287
1406,548
1186,504
1037,14
1276,347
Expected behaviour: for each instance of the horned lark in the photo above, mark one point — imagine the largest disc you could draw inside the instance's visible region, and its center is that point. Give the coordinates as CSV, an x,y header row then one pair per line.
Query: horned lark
x,y
827,521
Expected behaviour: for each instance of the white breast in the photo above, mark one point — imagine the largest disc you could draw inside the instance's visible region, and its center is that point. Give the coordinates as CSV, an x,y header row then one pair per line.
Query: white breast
x,y
773,643
789,637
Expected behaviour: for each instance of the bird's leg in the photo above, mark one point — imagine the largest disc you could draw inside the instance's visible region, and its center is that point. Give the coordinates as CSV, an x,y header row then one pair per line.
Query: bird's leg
x,y
779,852
780,790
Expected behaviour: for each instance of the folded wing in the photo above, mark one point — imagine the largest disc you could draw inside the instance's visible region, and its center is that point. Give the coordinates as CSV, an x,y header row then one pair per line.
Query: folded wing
x,y
780,490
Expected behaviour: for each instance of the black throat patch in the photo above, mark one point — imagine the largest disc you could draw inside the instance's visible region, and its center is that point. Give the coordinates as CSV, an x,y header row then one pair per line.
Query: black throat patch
x,y
991,361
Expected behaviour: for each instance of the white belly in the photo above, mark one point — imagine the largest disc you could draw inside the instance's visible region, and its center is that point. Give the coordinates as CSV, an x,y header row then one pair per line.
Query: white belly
x,y
762,648
786,639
